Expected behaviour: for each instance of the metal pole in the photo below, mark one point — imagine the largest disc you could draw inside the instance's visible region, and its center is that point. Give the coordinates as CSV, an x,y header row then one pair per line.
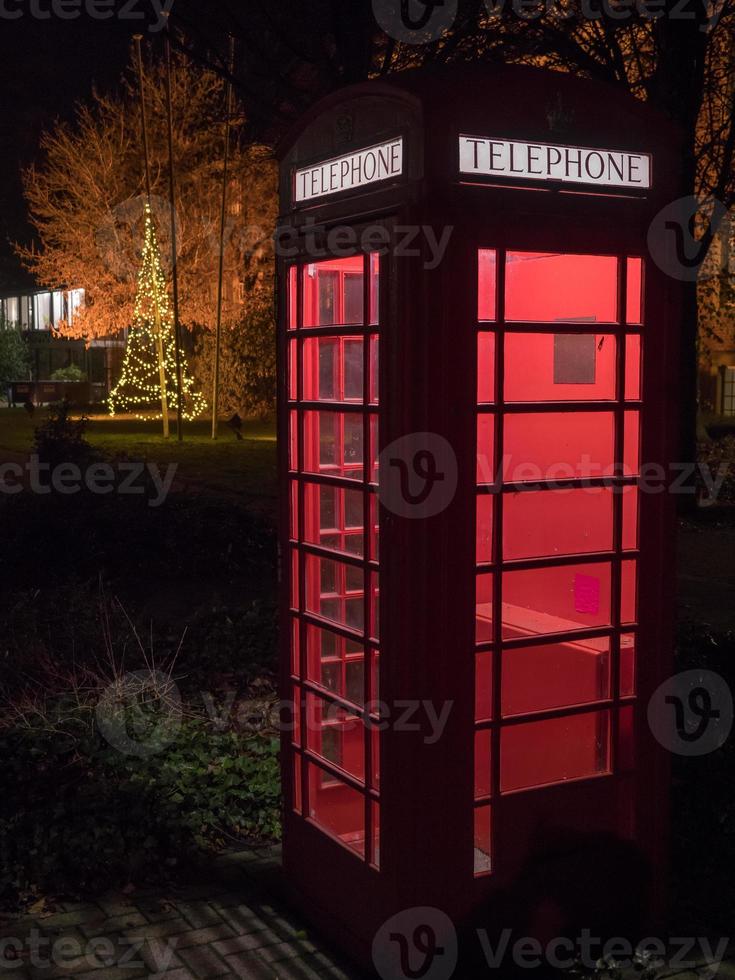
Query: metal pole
x,y
157,311
174,250
223,213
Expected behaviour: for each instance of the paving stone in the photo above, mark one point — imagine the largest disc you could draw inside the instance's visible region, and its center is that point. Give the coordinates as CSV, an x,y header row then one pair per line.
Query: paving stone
x,y
61,920
198,915
301,968
247,942
278,951
159,955
178,974
121,923
158,909
105,973
204,962
158,930
243,919
115,905
67,943
283,926
237,896
248,966
199,937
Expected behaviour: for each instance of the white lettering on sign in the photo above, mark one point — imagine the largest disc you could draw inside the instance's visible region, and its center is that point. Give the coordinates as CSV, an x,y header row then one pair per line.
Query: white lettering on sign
x,y
548,161
370,166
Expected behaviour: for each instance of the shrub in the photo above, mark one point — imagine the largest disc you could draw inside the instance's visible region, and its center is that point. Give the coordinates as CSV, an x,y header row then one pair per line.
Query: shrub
x,y
77,815
70,373
247,363
60,439
14,357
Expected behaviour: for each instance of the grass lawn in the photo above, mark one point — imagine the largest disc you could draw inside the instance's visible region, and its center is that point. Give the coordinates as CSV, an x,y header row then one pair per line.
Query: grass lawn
x,y
229,467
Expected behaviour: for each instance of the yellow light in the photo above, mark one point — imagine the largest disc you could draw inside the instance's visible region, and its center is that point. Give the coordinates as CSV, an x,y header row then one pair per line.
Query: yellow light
x,y
139,387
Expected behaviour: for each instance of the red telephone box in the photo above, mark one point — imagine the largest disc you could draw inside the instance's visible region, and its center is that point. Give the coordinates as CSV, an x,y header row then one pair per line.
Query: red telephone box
x,y
478,353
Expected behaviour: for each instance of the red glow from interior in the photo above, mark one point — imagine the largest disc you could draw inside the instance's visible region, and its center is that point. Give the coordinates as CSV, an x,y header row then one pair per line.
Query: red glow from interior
x,y
561,545
538,753
333,377
551,288
634,313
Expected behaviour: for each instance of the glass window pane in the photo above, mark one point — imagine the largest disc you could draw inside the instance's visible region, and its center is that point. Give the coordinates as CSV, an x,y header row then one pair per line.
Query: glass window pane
x,y
554,288
543,523
374,461
295,647
487,306
630,518
333,518
335,663
333,444
375,605
337,808
558,445
555,675
635,291
542,367
629,589
42,311
293,441
483,685
293,369
485,507
292,302
333,292
354,300
374,369
294,511
627,665
632,453
375,750
335,592
335,735
294,589
485,448
353,369
483,853
296,714
333,369
375,818
484,609
540,753
633,366
297,800
374,288
485,367
374,528
483,742
541,601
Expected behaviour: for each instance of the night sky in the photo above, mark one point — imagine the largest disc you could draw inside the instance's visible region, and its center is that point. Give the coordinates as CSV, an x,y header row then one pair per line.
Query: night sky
x,y
45,67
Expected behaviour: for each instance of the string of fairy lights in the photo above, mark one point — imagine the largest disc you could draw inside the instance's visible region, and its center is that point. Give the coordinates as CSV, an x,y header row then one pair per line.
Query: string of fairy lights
x,y
140,386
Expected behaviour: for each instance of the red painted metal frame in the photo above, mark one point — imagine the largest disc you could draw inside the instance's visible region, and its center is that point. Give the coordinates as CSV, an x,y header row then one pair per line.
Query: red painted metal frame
x,y
428,368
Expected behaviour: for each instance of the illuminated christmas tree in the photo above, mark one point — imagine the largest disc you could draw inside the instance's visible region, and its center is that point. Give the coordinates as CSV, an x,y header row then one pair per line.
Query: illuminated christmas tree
x,y
148,385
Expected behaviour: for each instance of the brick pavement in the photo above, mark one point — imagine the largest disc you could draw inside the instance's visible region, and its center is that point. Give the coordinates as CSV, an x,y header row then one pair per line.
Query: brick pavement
x,y
231,926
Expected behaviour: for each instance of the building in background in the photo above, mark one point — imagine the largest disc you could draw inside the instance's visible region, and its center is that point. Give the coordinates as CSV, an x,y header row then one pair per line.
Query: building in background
x,y
37,313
